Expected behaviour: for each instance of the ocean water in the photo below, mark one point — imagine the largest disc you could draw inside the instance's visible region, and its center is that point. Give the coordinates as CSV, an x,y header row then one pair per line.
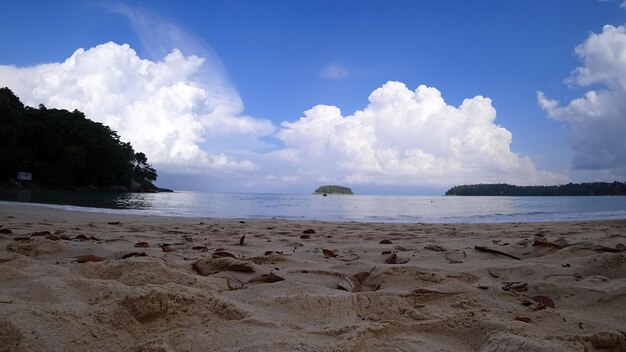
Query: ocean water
x,y
361,208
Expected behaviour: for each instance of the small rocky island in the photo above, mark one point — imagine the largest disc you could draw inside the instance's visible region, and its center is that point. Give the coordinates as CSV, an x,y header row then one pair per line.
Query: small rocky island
x,y
333,189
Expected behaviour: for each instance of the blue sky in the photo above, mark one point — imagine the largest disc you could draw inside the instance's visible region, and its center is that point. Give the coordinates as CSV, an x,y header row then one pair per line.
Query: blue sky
x,y
239,116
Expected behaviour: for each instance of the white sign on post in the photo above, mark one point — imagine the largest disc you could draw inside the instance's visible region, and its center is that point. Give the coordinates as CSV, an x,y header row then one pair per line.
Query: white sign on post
x,y
24,176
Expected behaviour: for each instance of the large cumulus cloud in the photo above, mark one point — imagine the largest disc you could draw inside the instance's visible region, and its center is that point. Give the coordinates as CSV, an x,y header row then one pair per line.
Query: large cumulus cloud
x,y
166,108
187,118
597,120
179,107
406,137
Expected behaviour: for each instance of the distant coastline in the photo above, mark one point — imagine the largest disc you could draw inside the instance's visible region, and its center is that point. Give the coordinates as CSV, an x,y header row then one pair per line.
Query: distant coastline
x,y
571,189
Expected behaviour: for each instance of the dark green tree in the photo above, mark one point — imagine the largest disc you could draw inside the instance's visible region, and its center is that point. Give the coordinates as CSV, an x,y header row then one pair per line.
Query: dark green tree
x,y
570,189
143,170
64,149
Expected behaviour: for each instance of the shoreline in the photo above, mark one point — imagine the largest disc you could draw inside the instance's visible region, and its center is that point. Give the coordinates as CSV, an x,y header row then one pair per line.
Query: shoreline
x,y
86,281
148,213
56,211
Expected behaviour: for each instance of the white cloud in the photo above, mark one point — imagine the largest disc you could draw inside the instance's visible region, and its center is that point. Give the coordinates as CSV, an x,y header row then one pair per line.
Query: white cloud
x,y
597,120
622,3
334,71
604,59
406,137
164,108
179,107
186,122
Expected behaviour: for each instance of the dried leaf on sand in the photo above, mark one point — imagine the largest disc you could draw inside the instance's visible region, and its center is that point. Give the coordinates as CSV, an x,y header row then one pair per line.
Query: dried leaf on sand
x,y
242,267
523,319
546,301
515,286
493,274
542,302
328,253
133,254
238,285
540,241
618,248
494,251
394,259
435,248
223,254
210,265
356,282
270,252
88,258
265,279
167,248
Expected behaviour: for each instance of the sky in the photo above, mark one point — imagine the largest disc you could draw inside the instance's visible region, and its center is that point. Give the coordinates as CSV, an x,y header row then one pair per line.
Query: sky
x,y
385,97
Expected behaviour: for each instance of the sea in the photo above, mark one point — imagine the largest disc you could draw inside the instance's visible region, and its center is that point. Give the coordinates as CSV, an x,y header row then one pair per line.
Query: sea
x,y
359,208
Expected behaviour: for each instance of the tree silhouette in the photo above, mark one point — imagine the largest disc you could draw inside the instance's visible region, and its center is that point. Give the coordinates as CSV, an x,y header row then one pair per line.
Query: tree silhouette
x,y
66,150
570,189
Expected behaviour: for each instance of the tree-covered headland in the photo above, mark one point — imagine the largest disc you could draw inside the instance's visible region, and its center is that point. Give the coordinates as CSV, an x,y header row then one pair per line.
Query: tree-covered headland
x,y
570,189
65,150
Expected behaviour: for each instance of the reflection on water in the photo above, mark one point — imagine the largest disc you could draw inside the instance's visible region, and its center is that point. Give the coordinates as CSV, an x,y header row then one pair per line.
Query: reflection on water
x,y
81,199
334,208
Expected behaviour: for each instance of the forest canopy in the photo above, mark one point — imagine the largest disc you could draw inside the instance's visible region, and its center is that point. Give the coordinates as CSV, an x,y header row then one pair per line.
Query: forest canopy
x,y
570,189
65,150
333,189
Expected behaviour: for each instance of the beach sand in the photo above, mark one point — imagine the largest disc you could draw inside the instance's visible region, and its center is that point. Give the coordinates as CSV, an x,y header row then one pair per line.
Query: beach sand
x,y
66,286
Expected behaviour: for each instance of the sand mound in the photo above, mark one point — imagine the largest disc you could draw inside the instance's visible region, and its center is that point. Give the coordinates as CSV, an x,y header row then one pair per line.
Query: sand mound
x,y
137,271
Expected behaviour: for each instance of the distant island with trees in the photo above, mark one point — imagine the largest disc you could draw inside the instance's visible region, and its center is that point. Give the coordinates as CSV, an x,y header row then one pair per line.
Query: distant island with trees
x,y
62,150
570,189
333,189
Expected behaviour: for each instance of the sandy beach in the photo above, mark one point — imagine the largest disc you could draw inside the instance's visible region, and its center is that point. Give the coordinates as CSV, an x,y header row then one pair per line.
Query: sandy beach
x,y
77,281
